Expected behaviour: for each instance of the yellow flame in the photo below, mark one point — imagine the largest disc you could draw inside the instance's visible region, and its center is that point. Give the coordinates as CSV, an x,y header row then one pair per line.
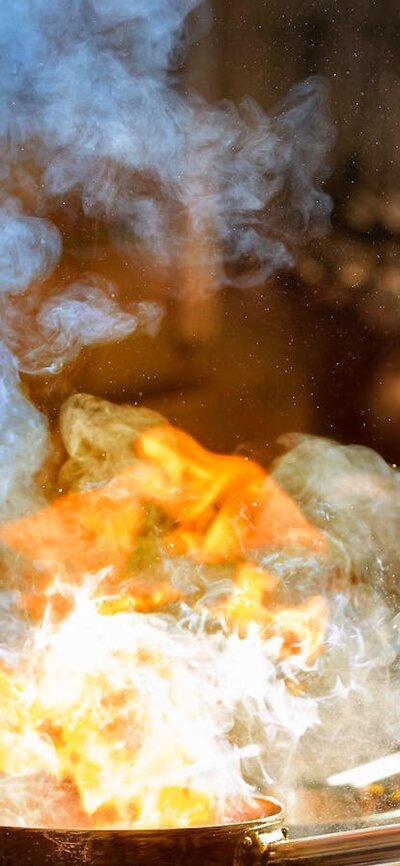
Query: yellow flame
x,y
81,720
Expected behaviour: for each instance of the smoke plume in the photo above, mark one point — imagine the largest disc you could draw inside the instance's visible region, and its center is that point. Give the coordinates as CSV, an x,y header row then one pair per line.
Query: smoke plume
x,y
93,107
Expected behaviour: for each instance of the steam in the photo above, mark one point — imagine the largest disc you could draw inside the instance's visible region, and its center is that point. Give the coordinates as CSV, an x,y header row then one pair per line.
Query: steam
x,y
354,496
84,314
99,438
23,442
93,109
29,249
94,123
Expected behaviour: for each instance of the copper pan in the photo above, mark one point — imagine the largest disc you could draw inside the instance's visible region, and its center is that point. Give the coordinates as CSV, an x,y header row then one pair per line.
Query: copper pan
x,y
219,845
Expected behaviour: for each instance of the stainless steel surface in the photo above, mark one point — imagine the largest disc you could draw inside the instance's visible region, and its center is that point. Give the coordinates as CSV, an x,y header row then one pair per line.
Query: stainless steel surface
x,y
318,809
378,845
325,826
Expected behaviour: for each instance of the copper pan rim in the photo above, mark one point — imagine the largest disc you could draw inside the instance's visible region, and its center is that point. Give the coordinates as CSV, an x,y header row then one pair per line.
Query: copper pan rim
x,y
272,815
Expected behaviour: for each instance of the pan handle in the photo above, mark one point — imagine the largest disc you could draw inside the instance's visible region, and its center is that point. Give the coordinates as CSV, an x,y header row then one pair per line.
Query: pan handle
x,y
257,842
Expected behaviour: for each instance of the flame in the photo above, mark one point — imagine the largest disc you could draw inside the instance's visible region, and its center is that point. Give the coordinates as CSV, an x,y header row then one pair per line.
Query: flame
x,y
224,506
80,709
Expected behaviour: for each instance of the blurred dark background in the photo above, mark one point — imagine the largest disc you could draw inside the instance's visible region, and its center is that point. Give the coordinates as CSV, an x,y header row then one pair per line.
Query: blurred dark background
x,y
316,349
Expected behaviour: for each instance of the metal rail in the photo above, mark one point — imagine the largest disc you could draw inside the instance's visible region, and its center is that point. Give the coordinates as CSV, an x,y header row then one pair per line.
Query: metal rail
x,y
378,845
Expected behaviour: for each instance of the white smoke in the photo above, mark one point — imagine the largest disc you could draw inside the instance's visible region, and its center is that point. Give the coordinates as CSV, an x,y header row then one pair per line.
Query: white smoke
x,y
94,122
29,249
92,99
23,442
354,497
84,314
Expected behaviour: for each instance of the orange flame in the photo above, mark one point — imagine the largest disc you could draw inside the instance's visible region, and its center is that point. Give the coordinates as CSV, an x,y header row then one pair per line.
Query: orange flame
x,y
211,509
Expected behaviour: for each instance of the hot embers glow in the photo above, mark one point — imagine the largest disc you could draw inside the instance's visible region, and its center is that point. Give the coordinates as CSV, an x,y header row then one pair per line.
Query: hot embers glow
x,y
156,635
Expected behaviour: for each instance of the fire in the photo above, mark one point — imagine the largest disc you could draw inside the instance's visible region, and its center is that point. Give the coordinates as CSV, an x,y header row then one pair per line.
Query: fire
x,y
102,676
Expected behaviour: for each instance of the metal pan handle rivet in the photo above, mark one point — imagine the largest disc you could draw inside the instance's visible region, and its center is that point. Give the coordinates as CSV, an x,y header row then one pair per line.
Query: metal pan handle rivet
x,y
247,842
261,840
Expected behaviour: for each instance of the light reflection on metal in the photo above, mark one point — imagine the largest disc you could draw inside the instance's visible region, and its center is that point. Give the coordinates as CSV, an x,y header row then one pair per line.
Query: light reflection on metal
x,y
367,774
355,848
